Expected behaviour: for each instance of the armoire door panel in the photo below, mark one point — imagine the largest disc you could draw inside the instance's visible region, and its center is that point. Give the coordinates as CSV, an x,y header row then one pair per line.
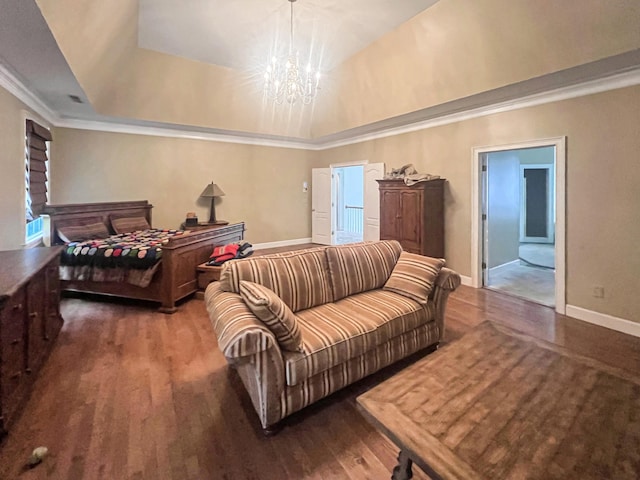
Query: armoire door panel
x,y
389,215
411,213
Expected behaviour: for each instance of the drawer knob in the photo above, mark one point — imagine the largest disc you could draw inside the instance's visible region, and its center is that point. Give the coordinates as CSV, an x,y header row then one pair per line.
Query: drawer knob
x,y
15,342
15,376
17,306
33,314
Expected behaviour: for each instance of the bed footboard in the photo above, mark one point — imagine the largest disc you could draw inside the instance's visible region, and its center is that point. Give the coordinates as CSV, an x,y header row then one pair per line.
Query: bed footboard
x,y
176,278
183,254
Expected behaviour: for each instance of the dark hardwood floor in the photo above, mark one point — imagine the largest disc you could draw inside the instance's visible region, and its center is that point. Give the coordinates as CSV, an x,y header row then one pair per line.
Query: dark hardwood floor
x,y
130,393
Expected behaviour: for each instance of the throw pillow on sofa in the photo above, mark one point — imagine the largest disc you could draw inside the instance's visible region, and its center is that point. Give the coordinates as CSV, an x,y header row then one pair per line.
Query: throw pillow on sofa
x,y
275,314
414,276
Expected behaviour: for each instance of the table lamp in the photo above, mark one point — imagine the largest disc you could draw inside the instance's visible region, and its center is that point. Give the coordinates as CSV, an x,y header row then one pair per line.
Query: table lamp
x,y
212,190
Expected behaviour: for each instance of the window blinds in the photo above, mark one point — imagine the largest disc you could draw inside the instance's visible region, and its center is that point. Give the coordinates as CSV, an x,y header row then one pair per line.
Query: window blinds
x,y
36,150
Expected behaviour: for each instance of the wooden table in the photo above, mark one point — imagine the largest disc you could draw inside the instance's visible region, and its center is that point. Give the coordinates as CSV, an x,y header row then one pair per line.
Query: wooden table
x,y
497,404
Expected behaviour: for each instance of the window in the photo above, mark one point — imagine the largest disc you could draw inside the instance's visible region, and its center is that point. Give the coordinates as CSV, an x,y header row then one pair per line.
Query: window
x,y
36,159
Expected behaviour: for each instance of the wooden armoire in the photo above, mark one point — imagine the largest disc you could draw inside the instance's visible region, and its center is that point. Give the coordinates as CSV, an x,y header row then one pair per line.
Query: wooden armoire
x,y
413,215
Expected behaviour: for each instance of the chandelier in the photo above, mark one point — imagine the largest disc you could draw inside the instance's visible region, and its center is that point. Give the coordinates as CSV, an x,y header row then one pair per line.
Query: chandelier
x,y
286,80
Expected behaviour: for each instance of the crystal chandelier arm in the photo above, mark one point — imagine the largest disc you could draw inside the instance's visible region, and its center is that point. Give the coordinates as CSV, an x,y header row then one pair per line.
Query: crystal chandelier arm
x,y
291,31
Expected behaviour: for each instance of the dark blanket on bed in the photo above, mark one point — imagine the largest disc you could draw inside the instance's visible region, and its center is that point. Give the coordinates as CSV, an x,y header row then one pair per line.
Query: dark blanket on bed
x,y
141,250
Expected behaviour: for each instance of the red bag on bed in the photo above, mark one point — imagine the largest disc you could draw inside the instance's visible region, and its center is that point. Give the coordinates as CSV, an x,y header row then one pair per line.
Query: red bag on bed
x,y
224,253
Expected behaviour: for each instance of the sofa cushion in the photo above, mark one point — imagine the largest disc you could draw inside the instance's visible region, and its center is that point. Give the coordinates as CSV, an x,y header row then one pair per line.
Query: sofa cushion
x,y
392,313
330,335
269,308
414,276
300,279
361,267
335,333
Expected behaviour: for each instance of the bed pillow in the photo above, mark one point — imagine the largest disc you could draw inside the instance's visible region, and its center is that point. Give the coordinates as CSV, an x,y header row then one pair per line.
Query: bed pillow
x,y
129,224
275,314
80,233
414,276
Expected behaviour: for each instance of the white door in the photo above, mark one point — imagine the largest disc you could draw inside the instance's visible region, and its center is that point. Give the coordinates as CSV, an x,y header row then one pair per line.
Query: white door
x,y
321,206
372,172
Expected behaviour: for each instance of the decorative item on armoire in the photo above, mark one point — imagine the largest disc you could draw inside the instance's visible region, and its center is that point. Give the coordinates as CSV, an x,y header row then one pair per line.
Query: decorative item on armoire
x,y
409,175
212,191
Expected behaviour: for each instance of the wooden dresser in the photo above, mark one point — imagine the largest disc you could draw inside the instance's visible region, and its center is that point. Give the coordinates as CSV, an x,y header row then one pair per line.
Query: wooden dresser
x,y
413,215
29,322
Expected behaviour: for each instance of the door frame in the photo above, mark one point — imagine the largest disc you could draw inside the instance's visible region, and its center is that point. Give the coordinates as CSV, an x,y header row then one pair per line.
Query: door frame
x,y
560,204
550,204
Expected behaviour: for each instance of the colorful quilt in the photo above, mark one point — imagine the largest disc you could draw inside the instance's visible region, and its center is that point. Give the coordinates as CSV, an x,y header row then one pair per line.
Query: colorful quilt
x,y
139,250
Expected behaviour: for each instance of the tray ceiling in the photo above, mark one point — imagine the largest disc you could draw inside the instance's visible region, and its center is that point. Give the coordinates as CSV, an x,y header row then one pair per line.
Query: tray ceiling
x,y
241,33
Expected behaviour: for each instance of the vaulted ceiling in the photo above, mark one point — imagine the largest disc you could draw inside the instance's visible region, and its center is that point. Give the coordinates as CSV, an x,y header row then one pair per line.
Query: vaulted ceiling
x,y
197,64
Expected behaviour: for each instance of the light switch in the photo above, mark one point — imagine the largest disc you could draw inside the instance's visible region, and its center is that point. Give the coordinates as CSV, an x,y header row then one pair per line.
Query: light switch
x,y
305,187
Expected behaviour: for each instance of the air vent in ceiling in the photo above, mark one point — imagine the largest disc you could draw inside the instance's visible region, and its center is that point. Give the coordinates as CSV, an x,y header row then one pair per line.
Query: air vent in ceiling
x,y
76,99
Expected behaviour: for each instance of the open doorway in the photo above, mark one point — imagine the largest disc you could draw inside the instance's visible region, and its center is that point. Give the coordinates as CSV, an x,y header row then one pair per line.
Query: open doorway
x,y
345,203
348,207
518,222
519,244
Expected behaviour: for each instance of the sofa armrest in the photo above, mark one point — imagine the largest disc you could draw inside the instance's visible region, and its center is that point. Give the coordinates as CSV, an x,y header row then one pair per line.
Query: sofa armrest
x,y
240,334
446,282
448,279
251,348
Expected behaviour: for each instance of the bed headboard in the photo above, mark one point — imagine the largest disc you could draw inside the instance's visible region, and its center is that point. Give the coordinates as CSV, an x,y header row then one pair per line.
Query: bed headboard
x,y
73,214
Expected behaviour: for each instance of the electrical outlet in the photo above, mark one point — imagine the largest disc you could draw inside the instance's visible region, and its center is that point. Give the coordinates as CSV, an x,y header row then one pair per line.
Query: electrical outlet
x,y
598,291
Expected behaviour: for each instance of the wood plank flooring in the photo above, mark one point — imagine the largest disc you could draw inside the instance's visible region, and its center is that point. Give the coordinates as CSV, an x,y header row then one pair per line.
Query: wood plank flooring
x,y
130,393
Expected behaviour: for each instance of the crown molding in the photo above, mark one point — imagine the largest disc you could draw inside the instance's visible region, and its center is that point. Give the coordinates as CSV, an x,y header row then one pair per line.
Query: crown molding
x,y
19,90
154,131
621,80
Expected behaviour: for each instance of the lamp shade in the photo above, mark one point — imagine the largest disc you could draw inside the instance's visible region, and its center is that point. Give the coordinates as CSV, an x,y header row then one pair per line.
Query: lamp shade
x,y
212,190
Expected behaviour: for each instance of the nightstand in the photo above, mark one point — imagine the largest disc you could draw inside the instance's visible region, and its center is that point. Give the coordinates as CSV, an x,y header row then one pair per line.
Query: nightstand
x,y
206,274
203,225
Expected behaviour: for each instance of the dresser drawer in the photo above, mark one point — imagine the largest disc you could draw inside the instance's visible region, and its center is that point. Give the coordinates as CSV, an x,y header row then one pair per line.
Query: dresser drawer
x,y
12,345
12,324
12,373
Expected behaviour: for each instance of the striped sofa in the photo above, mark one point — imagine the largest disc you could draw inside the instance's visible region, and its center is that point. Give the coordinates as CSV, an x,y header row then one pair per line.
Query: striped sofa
x,y
300,325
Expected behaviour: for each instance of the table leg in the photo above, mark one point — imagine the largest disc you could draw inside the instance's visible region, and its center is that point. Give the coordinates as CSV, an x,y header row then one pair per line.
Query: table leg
x,y
402,471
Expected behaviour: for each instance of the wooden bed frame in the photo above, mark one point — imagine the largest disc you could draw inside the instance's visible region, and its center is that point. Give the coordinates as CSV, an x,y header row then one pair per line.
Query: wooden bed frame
x,y
176,277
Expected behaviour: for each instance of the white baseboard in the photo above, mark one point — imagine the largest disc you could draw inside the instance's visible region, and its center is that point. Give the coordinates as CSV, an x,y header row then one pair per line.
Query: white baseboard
x,y
604,320
466,281
496,269
282,243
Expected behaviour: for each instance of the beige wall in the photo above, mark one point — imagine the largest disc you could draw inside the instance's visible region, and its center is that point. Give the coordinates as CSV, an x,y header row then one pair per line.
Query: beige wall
x,y
12,168
458,48
603,185
263,185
